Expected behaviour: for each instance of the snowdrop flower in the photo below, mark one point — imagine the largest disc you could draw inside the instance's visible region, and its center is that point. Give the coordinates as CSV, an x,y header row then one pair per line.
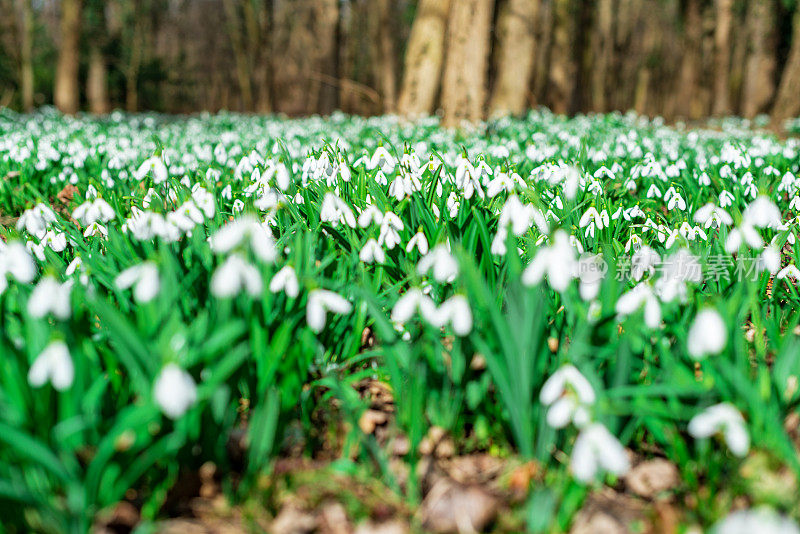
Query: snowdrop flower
x,y
370,215
444,265
707,335
335,210
92,211
174,391
762,213
16,261
390,228
568,393
457,312
285,280
521,216
155,165
678,269
321,301
769,260
144,279
557,261
55,240
596,449
724,418
50,297
245,228
710,215
419,241
760,520
383,160
590,271
96,229
36,220
790,271
55,365
372,252
641,295
414,300
592,219
744,233
235,275
644,261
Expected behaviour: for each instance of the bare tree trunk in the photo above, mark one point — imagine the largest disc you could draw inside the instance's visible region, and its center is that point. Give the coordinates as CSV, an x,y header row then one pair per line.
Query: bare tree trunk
x,y
562,66
541,65
787,102
603,50
464,81
759,75
516,31
239,54
327,28
722,57
66,94
97,82
26,54
424,57
385,69
690,66
132,73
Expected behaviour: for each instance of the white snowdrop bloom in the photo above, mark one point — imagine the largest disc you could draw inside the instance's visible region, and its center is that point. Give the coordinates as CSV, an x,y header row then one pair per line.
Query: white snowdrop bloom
x,y
320,302
567,393
390,230
412,301
457,312
444,265
762,213
596,449
246,228
790,271
521,216
204,201
678,269
96,229
282,177
55,240
467,178
590,272
641,295
707,335
419,241
744,233
370,215
154,165
726,199
16,261
50,297
557,261
759,520
36,220
74,265
724,418
174,391
372,252
144,279
55,365
234,275
285,280
383,160
93,211
186,217
644,261
710,215
335,210
769,259
592,219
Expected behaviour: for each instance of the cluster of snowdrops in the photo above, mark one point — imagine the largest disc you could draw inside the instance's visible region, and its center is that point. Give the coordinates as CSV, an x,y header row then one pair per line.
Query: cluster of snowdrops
x,y
586,285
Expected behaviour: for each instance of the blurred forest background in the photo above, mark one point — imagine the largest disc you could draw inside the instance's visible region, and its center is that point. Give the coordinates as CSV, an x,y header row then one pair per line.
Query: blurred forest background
x,y
468,59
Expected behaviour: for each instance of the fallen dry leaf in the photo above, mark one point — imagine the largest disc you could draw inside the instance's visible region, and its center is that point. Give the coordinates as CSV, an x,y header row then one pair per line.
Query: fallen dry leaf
x,y
453,507
652,477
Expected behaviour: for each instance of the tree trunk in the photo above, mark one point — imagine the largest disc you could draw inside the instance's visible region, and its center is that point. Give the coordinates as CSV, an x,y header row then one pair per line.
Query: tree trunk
x,y
132,74
239,54
687,102
516,30
787,102
97,82
384,60
722,57
26,55
759,75
464,81
562,66
423,60
66,94
327,30
603,50
541,65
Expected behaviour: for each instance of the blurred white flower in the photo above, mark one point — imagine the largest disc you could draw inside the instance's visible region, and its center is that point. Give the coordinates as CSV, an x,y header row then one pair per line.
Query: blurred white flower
x,y
174,390
144,277
596,449
245,229
557,261
444,265
644,261
752,521
155,165
92,211
335,210
762,213
50,297
419,241
55,365
16,261
95,229
457,312
234,275
790,271
769,259
372,252
285,280
707,335
724,418
710,215
320,302
55,240
641,295
568,393
592,219
36,220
